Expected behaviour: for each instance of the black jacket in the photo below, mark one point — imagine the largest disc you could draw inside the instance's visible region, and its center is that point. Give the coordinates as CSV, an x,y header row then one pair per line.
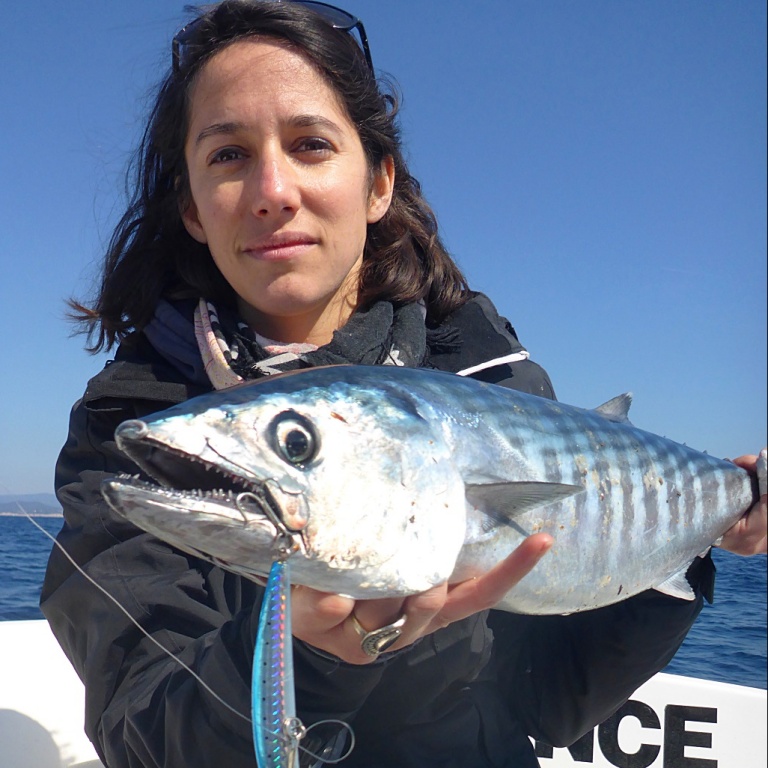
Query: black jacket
x,y
467,696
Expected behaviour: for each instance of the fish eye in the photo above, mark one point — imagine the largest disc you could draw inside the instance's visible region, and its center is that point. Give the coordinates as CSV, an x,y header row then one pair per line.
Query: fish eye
x,y
294,438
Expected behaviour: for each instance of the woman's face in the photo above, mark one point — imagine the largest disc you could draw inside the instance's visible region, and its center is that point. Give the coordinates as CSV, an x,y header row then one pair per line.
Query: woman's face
x,y
281,190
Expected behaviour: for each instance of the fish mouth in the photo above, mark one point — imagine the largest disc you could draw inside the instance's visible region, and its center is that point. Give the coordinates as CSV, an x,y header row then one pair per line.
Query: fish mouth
x,y
229,528
177,470
197,506
185,480
252,501
213,486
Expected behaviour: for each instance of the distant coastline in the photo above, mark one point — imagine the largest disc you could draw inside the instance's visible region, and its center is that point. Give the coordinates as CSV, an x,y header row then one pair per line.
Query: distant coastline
x,y
32,504
31,514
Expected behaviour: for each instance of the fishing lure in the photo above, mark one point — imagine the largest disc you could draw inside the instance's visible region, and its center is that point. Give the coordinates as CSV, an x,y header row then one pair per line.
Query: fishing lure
x,y
276,729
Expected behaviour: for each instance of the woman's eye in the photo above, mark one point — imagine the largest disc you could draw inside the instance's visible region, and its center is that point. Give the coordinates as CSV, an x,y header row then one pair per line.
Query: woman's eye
x,y
314,145
226,155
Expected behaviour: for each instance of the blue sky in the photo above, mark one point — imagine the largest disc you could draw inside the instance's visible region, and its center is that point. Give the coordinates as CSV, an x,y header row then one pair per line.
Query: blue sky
x,y
597,167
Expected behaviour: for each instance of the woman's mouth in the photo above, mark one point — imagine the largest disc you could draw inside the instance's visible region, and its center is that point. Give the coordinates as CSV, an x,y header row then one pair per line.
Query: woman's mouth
x,y
281,246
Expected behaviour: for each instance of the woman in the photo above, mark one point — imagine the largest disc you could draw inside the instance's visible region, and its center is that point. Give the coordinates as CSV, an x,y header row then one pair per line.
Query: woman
x,y
275,226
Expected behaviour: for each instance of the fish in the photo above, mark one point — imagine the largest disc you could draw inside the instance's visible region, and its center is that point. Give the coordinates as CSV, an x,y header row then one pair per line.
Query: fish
x,y
391,480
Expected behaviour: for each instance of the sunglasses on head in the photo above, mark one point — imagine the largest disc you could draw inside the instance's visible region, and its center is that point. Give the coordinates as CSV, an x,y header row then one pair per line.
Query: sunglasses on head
x,y
336,17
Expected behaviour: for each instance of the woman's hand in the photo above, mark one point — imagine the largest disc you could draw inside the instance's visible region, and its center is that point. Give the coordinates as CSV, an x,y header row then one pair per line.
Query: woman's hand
x,y
324,620
748,535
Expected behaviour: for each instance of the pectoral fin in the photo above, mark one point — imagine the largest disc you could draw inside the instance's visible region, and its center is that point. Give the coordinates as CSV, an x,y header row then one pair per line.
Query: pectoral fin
x,y
506,501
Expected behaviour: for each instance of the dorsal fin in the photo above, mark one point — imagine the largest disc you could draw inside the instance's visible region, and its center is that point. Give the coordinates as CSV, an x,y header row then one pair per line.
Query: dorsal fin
x,y
616,409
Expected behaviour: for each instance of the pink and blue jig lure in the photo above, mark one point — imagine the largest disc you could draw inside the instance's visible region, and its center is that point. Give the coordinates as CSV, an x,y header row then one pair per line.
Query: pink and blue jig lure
x,y
276,729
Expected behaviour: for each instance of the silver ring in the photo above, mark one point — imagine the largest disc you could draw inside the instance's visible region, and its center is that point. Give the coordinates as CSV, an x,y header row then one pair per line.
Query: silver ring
x,y
378,640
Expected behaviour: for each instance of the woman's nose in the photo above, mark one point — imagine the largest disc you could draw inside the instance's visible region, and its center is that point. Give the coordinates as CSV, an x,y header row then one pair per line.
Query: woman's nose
x,y
275,187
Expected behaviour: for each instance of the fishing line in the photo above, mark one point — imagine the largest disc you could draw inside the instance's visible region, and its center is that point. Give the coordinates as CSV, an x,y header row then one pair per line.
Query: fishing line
x,y
329,760
182,664
134,622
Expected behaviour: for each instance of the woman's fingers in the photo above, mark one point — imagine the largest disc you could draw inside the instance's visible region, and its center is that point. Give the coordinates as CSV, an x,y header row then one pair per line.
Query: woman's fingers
x,y
318,613
484,592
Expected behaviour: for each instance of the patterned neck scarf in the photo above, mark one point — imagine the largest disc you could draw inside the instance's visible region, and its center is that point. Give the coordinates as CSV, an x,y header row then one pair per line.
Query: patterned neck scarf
x,y
382,335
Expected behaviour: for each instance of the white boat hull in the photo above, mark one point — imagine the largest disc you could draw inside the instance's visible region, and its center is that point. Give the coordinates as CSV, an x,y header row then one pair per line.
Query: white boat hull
x,y
42,702
675,722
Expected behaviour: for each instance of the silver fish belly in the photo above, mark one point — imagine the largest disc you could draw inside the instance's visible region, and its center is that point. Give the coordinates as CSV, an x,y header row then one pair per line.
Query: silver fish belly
x,y
393,480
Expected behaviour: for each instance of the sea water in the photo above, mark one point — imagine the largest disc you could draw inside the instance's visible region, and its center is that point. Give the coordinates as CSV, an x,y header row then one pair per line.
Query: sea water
x,y
727,642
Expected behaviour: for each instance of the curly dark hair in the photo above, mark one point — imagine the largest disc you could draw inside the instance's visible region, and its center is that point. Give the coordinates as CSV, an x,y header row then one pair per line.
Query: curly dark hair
x,y
151,255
